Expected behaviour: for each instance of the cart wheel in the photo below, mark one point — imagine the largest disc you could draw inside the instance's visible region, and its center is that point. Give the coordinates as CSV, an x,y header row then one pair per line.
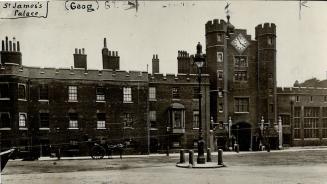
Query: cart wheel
x,y
97,152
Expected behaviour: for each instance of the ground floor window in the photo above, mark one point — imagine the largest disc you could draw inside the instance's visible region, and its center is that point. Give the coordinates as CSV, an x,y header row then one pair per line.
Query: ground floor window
x,y
311,128
296,128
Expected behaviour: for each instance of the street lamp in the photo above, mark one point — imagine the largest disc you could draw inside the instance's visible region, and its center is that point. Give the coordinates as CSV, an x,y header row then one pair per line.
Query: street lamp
x,y
292,100
199,60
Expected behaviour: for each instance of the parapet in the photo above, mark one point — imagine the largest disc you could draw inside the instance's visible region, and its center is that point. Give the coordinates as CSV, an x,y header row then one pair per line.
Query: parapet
x,y
301,90
215,25
178,79
266,28
73,73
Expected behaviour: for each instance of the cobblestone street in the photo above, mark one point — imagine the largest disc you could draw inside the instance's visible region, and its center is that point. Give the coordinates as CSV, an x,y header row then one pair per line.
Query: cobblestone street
x,y
290,166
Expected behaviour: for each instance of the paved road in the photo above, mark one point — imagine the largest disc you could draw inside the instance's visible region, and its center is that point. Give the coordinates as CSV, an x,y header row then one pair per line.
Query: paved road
x,y
285,167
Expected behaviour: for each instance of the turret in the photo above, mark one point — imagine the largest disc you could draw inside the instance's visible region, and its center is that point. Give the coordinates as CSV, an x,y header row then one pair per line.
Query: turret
x,y
155,64
266,37
10,52
80,60
110,59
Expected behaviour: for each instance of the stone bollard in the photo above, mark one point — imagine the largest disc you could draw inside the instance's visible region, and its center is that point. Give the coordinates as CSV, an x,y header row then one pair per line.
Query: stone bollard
x,y
237,148
190,158
220,157
208,155
182,156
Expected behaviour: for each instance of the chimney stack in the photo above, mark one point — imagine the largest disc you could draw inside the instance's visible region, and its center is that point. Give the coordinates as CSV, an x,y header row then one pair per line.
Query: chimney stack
x,y
80,59
9,53
155,64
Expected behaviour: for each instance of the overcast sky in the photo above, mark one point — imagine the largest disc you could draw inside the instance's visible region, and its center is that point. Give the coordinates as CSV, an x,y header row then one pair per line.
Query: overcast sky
x,y
165,27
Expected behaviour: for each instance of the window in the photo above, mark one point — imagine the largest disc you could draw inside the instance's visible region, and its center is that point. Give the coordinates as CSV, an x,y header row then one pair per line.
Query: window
x,y
220,74
240,75
325,98
175,93
220,107
297,99
100,94
241,104
297,119
311,98
44,92
220,57
73,120
196,92
152,93
21,91
44,120
195,119
285,119
310,123
152,116
269,41
101,122
5,120
22,120
72,93
4,91
127,94
271,108
220,92
218,37
240,61
128,120
178,119
153,119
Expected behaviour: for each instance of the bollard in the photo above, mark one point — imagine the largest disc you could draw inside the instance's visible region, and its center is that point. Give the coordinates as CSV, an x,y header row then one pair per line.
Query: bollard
x,y
237,148
208,155
220,157
190,158
182,156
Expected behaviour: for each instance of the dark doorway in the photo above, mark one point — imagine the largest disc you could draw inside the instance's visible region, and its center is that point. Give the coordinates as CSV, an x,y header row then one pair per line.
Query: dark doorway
x,y
154,145
242,134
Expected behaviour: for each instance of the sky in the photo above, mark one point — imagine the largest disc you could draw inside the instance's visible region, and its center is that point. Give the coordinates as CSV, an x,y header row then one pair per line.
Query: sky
x,y
164,27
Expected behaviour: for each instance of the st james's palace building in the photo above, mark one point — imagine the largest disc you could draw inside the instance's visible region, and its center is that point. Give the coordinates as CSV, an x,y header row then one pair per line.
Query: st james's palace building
x,y
152,112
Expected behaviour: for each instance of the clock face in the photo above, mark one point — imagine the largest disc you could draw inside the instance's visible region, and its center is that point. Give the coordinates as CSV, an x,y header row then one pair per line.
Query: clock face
x,y
240,43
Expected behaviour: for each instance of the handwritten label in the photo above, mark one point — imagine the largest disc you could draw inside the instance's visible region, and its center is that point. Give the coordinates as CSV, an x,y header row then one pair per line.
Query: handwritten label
x,y
23,9
87,6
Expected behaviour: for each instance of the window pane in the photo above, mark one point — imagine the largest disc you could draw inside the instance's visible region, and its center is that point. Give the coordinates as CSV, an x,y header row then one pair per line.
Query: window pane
x,y
4,91
44,120
22,120
72,93
127,94
152,93
5,120
175,92
44,92
100,94
21,91
195,119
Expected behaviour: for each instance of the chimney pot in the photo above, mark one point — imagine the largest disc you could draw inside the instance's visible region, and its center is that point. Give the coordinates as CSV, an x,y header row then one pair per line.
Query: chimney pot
x,y
7,43
105,42
83,51
18,47
3,45
10,46
76,51
79,51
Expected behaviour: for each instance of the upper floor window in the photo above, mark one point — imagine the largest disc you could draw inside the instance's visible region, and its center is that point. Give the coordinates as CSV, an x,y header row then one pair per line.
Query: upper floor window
x,y
220,107
127,94
297,99
196,92
152,93
195,119
21,91
22,120
220,57
44,92
175,92
220,92
240,75
269,40
100,94
101,122
128,120
73,120
241,61
4,120
325,98
44,120
4,91
220,74
311,98
72,93
218,37
152,116
241,104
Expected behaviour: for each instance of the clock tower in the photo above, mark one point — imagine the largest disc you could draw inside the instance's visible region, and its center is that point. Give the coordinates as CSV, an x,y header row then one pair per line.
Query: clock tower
x,y
242,78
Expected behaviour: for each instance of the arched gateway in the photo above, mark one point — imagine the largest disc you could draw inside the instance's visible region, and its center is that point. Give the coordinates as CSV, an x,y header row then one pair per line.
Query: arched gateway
x,y
241,133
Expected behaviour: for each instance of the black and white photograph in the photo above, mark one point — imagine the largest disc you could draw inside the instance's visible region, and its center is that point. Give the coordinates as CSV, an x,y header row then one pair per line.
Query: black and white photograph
x,y
163,92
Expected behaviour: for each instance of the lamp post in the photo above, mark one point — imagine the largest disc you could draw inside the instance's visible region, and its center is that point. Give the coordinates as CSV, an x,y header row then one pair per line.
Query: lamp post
x,y
199,60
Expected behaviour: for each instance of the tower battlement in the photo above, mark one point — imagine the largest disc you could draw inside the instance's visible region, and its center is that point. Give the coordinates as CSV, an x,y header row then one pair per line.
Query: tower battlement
x,y
266,28
215,25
